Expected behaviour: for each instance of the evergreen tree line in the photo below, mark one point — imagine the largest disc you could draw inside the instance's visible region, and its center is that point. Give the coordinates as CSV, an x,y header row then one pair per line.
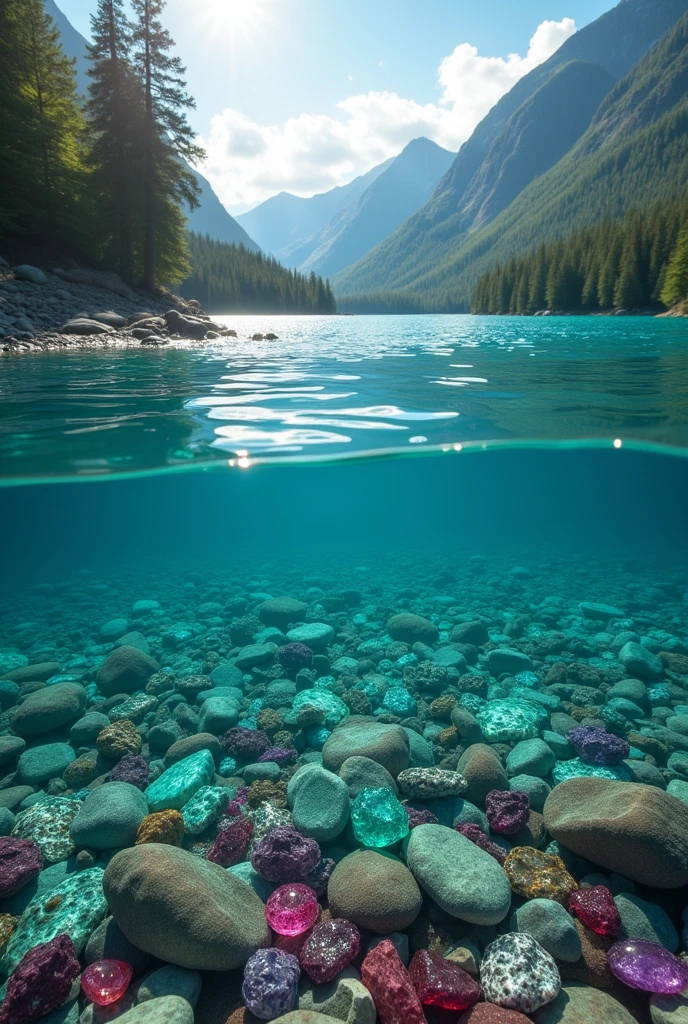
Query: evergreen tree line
x,y
101,176
639,262
382,302
232,279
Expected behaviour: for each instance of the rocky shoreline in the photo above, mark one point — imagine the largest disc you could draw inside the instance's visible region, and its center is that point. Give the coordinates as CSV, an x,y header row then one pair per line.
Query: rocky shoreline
x,y
82,308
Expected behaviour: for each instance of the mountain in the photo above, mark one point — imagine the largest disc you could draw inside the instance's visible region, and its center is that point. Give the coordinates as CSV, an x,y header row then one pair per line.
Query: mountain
x,y
284,225
474,189
211,217
394,195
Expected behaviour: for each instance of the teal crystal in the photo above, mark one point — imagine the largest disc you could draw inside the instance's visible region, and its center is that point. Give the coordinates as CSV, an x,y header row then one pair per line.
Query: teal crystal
x,y
377,818
400,702
204,808
511,720
577,769
74,907
134,709
335,709
178,784
47,823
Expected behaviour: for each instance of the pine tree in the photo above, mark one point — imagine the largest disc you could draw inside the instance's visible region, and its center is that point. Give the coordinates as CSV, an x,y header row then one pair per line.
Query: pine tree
x,y
676,279
167,140
114,129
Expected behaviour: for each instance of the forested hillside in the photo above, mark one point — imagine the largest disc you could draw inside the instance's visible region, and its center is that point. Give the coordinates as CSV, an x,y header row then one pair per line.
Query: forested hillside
x,y
231,279
640,262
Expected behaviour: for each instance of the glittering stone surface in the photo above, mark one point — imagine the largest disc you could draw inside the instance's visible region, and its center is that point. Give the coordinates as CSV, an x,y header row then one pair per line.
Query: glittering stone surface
x,y
20,861
75,907
420,816
331,947
517,973
231,844
507,812
377,818
334,709
441,983
538,875
576,768
106,981
292,909
204,808
388,982
166,827
477,836
648,966
48,824
284,855
597,746
245,744
511,720
178,784
596,908
428,783
270,986
41,982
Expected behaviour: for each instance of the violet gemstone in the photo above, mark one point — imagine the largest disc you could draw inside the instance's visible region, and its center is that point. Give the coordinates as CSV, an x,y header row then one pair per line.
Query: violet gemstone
x,y
648,966
284,855
295,656
421,816
507,812
270,986
292,909
41,981
134,769
596,908
477,836
441,983
331,947
245,744
106,981
232,842
20,861
280,755
596,745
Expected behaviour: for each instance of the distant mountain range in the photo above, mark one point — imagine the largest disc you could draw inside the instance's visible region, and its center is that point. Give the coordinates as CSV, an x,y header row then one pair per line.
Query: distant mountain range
x,y
331,230
569,144
211,217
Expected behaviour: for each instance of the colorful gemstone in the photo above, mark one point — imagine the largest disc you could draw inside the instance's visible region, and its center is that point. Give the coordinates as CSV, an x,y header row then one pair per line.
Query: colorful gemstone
x,y
270,987
596,908
507,812
441,983
331,947
292,909
388,982
535,874
647,966
106,981
377,818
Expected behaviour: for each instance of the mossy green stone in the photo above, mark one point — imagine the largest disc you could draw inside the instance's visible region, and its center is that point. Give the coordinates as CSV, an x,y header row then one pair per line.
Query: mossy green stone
x,y
511,720
204,808
178,784
377,818
74,907
335,709
577,769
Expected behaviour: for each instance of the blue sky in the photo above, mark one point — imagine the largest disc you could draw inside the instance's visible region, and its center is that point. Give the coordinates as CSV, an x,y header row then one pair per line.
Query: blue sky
x,y
304,94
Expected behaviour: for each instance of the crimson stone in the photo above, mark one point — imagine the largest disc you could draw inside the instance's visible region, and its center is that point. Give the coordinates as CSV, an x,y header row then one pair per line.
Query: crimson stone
x,y
388,982
331,947
232,841
41,981
441,983
20,861
596,908
106,981
507,812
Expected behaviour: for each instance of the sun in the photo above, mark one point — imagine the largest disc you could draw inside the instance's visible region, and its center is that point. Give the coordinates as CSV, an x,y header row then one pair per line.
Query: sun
x,y
236,21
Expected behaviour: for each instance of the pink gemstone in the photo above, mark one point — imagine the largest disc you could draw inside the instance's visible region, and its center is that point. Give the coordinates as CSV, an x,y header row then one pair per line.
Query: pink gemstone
x,y
596,908
106,981
647,966
292,909
331,947
441,983
388,982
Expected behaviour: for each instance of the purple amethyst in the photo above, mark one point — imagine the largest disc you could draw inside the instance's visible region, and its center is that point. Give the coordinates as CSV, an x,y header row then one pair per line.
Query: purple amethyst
x,y
41,981
596,745
134,769
245,744
294,657
284,855
318,878
421,816
281,755
271,979
507,812
231,845
20,861
477,836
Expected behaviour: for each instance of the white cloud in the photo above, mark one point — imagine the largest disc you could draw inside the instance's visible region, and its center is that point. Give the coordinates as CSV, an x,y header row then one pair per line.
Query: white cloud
x,y
248,162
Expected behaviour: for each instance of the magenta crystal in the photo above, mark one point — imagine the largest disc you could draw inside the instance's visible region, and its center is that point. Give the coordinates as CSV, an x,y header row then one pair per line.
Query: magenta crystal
x,y
477,836
231,845
106,981
441,983
292,909
647,966
507,811
20,861
331,947
284,855
596,908
597,746
41,981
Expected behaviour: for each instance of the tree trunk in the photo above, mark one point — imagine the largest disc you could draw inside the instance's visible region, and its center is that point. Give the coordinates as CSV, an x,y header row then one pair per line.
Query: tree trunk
x,y
126,240
149,256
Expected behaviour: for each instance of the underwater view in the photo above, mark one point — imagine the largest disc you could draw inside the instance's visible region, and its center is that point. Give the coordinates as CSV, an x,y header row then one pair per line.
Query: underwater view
x,y
359,649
